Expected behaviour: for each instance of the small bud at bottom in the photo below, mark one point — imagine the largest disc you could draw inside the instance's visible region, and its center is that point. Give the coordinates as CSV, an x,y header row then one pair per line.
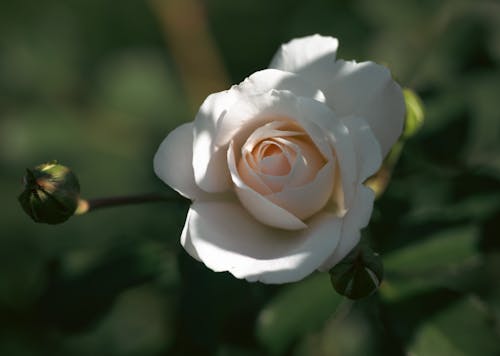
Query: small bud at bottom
x,y
359,274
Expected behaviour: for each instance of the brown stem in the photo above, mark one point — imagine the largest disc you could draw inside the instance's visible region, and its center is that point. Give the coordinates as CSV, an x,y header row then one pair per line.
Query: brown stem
x,y
85,206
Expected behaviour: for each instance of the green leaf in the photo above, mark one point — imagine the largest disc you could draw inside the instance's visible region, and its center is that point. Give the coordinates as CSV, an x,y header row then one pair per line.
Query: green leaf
x,y
461,329
444,248
299,308
435,261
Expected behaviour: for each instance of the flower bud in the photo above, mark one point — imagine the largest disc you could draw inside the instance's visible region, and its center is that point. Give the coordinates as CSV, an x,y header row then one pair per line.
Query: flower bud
x,y
415,113
51,193
359,274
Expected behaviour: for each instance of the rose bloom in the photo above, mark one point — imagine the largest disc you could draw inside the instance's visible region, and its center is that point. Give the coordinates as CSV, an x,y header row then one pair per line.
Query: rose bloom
x,y
275,166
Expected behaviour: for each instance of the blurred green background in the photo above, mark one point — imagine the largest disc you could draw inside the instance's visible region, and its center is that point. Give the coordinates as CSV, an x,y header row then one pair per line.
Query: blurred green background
x,y
97,84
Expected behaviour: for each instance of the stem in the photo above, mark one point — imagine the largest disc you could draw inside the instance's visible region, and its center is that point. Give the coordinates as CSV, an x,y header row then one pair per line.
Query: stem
x,y
86,206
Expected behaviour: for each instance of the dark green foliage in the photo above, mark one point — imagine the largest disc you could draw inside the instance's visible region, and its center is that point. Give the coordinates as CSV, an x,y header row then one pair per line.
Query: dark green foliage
x,y
94,84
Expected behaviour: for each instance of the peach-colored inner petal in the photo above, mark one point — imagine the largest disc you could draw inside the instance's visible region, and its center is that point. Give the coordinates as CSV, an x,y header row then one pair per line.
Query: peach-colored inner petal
x,y
275,165
273,159
277,155
281,162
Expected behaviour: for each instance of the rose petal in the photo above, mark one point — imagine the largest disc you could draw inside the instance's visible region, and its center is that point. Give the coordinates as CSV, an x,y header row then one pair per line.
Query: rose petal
x,y
363,89
186,240
322,121
356,219
312,57
308,161
251,172
209,160
306,200
261,208
368,160
267,79
368,152
172,162
367,90
271,130
299,171
226,238
252,179
275,164
250,113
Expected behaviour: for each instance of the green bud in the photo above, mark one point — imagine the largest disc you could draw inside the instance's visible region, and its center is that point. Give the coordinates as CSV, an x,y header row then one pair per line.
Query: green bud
x,y
51,193
359,274
414,113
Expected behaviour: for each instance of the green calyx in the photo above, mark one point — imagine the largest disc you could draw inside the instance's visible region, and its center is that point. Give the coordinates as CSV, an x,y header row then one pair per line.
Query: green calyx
x,y
51,193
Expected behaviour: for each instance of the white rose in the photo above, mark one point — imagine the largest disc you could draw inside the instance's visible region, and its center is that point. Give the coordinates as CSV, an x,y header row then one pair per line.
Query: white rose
x,y
275,165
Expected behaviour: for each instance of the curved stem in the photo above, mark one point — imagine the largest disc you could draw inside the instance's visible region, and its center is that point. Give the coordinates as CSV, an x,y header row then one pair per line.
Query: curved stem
x,y
86,206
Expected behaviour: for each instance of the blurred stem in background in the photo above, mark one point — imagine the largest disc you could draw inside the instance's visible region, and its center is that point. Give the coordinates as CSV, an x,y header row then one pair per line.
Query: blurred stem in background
x,y
198,61
428,41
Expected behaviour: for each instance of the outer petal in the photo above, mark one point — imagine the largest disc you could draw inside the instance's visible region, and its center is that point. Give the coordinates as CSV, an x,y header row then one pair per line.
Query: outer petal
x,y
368,160
368,152
172,162
209,160
367,90
226,238
267,79
356,219
186,238
312,57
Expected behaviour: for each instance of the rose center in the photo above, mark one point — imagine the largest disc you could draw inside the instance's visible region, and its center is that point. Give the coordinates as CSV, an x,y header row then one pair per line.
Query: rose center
x,y
277,156
271,159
